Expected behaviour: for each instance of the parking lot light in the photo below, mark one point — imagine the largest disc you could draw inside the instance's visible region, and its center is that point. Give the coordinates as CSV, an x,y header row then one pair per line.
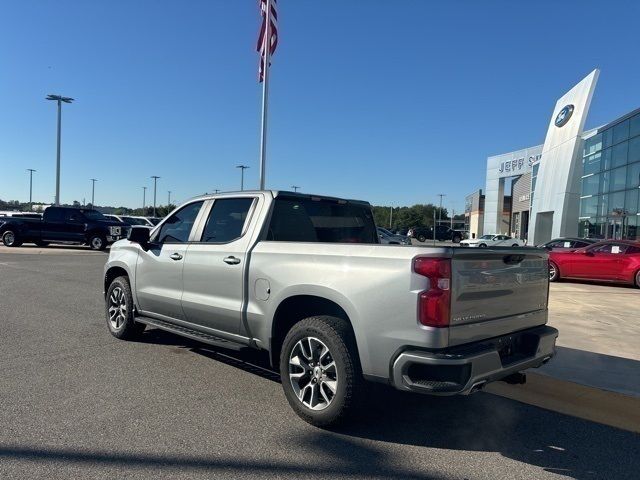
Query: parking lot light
x,y
60,99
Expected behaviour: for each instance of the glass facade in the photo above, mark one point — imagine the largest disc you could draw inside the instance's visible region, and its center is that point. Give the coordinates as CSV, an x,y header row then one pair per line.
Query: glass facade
x,y
609,205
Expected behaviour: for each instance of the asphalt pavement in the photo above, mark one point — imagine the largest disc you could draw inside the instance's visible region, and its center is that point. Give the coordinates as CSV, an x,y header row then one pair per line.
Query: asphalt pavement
x,y
77,403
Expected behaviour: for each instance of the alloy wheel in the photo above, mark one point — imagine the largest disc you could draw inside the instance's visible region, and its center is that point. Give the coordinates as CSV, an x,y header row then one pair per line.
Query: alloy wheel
x,y
9,238
117,308
552,271
96,243
313,373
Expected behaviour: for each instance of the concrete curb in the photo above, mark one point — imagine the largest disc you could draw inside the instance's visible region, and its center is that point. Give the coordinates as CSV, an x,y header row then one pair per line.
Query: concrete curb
x,y
601,406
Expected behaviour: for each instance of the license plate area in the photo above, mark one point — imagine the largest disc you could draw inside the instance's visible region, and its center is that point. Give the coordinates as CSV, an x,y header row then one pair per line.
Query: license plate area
x,y
517,347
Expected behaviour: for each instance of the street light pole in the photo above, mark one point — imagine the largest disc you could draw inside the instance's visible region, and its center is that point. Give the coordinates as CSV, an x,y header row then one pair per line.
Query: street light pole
x,y
155,182
169,199
30,170
295,188
440,210
144,198
242,169
93,192
59,99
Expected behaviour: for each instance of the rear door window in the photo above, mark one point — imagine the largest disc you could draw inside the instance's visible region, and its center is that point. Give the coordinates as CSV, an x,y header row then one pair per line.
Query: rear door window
x,y
54,214
321,220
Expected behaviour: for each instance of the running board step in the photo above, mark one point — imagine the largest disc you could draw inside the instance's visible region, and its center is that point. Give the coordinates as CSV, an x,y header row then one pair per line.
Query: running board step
x,y
191,333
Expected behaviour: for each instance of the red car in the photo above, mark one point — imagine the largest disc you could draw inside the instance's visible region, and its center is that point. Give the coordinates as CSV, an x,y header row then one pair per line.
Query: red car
x,y
608,261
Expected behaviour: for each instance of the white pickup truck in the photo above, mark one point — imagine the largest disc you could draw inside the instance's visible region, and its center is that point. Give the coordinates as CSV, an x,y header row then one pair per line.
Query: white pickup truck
x,y
305,278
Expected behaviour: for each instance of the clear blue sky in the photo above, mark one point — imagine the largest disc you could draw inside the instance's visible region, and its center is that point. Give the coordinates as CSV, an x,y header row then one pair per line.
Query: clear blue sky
x,y
385,101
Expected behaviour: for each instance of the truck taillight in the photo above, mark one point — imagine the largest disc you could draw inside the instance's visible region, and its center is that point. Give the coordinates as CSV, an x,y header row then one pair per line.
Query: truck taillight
x,y
434,304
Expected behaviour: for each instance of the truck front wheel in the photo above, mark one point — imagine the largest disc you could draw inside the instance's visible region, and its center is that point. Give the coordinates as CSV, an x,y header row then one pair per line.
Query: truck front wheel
x,y
320,370
97,241
119,310
11,239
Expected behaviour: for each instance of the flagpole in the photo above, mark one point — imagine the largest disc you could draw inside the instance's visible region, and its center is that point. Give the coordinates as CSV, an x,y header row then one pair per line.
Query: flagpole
x,y
265,96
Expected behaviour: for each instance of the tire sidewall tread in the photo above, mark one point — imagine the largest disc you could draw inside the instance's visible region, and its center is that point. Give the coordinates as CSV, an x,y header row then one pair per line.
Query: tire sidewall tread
x,y
16,242
337,335
131,329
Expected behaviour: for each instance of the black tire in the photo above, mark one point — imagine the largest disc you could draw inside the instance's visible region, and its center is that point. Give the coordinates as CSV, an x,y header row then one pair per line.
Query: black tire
x,y
41,243
422,238
11,238
97,241
515,245
638,279
336,335
456,239
554,272
482,245
123,325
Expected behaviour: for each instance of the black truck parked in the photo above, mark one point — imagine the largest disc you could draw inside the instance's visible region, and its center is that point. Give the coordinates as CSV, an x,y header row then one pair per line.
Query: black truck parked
x,y
62,225
443,232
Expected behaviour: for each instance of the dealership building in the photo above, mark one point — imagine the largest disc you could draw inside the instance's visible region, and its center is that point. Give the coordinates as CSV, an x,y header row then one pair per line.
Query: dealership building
x,y
578,183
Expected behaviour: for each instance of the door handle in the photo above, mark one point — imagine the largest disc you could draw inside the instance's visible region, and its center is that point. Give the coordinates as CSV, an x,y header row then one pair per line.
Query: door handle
x,y
175,256
232,260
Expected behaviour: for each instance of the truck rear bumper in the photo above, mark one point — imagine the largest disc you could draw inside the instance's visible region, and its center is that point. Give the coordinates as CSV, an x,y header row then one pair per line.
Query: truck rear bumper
x,y
463,369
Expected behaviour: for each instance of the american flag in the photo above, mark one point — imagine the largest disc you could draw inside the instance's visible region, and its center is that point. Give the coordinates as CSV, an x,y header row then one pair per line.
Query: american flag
x,y
273,34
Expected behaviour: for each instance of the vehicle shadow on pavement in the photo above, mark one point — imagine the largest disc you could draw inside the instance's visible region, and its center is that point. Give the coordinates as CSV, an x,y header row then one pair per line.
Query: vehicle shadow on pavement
x,y
350,459
482,422
606,372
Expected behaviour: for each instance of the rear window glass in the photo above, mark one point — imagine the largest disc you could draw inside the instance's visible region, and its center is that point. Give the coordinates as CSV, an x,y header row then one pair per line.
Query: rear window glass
x,y
321,220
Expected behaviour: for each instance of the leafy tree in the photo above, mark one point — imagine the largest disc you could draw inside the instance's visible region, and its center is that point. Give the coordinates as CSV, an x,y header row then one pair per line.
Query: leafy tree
x,y
419,215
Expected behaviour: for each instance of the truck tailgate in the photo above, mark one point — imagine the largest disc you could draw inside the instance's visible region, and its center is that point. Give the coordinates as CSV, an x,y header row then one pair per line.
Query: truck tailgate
x,y
497,291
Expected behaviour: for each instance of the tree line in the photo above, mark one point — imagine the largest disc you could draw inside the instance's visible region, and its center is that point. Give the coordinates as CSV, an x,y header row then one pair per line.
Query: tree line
x,y
419,215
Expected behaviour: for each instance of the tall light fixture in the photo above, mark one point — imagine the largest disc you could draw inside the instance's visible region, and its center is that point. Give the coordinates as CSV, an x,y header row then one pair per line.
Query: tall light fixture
x,y
242,169
93,192
155,184
60,99
30,170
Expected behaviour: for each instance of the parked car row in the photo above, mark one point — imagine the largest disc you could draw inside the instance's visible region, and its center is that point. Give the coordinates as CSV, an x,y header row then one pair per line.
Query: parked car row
x,y
390,238
493,240
442,233
63,225
616,261
135,220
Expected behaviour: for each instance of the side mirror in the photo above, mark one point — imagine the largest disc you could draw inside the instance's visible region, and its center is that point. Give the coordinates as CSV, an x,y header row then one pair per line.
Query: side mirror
x,y
139,235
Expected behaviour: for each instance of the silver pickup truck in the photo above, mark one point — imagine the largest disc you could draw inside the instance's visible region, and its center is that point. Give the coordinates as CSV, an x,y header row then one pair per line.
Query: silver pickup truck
x,y
305,278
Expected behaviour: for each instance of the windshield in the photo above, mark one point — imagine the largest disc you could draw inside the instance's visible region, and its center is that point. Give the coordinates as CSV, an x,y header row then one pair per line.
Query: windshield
x,y
94,215
154,220
134,221
384,231
486,237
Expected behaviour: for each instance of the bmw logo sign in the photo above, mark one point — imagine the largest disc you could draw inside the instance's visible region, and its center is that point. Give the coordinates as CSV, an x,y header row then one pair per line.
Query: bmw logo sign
x,y
563,117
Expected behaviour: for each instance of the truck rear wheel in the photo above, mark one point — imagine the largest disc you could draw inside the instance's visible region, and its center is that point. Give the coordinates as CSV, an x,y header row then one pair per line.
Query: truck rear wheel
x,y
119,310
422,238
11,239
554,273
320,370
